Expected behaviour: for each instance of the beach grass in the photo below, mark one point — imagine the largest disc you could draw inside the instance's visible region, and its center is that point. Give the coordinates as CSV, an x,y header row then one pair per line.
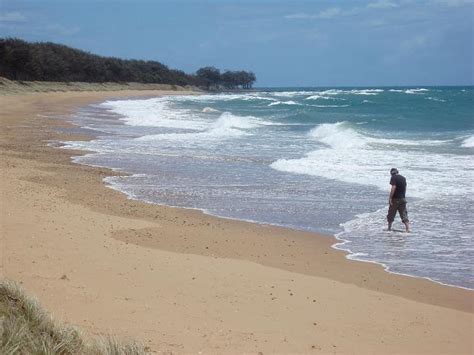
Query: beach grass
x,y
11,87
26,328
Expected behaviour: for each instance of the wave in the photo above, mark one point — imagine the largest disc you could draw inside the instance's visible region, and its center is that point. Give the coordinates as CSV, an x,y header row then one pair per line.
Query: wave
x,y
368,92
225,127
228,120
434,99
317,97
415,91
290,93
209,110
205,98
252,97
468,142
352,156
410,91
343,134
369,167
337,135
283,103
154,112
329,106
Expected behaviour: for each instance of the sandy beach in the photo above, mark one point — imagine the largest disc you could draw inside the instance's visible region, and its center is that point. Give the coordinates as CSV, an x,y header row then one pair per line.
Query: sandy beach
x,y
180,281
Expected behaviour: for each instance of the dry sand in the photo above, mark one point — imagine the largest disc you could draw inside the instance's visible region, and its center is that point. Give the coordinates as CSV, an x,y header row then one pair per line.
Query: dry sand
x,y
180,281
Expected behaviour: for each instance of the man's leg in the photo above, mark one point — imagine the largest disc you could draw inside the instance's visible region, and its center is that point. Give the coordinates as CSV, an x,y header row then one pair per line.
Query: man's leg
x,y
402,210
392,210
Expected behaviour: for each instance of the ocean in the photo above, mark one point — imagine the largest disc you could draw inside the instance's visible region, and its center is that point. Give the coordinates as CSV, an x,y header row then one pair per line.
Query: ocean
x,y
315,159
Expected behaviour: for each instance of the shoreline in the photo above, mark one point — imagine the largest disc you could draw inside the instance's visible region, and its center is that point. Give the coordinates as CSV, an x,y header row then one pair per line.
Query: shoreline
x,y
338,244
194,237
337,241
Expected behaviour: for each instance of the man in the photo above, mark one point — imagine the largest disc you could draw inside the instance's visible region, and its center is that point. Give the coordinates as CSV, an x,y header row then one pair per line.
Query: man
x,y
397,201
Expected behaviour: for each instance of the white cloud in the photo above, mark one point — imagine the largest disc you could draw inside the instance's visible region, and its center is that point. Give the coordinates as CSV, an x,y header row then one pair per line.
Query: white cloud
x,y
12,17
382,4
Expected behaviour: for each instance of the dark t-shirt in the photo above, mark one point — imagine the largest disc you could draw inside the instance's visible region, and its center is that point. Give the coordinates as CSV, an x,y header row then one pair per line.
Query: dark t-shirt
x,y
401,183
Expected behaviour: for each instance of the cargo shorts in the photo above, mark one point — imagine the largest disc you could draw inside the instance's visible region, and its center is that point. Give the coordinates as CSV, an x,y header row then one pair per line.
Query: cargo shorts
x,y
400,205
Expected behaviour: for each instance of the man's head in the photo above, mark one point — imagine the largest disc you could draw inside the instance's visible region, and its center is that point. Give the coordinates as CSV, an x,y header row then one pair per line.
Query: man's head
x,y
393,171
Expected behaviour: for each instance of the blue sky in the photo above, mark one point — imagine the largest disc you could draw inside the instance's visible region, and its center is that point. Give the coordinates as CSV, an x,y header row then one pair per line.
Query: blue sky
x,y
286,43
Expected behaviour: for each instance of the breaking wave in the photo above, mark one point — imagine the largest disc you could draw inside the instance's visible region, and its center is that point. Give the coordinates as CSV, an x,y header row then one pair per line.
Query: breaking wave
x,y
352,156
468,142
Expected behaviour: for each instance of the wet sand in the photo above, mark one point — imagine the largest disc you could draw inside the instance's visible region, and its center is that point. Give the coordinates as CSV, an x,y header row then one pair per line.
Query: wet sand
x,y
181,281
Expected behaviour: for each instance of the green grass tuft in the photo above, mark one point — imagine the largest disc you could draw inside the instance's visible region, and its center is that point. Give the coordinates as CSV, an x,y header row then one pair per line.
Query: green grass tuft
x,y
26,329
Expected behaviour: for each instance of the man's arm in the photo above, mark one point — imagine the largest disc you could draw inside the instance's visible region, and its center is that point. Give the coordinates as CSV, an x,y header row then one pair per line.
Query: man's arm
x,y
392,191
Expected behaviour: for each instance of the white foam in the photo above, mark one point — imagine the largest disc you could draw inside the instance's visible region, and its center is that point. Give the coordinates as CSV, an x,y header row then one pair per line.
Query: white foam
x,y
290,93
329,106
208,97
434,99
318,97
415,91
343,134
225,127
337,135
283,103
154,113
410,91
468,142
352,156
356,166
209,110
228,120
368,92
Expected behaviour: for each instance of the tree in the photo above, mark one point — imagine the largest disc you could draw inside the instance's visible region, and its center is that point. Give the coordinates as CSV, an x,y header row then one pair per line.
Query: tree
x,y
210,76
229,79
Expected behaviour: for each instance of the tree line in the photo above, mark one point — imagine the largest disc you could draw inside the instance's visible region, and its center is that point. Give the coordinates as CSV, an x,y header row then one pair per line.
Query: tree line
x,y
46,61
213,78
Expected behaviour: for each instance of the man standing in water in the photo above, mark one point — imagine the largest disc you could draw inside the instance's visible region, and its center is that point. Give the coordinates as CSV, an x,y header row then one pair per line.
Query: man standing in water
x,y
397,201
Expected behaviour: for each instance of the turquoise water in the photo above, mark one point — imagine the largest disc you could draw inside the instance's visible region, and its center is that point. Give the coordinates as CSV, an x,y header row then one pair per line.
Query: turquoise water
x,y
308,158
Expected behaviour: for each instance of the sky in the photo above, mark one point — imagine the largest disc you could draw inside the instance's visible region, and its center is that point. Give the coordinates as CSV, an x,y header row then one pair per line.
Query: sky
x,y
285,43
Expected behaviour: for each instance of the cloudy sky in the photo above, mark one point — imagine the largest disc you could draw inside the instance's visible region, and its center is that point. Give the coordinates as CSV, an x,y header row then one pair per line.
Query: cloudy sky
x,y
286,43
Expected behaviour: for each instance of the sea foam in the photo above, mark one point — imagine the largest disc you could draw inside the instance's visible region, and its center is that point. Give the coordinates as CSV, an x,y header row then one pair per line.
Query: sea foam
x,y
354,157
227,126
468,142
